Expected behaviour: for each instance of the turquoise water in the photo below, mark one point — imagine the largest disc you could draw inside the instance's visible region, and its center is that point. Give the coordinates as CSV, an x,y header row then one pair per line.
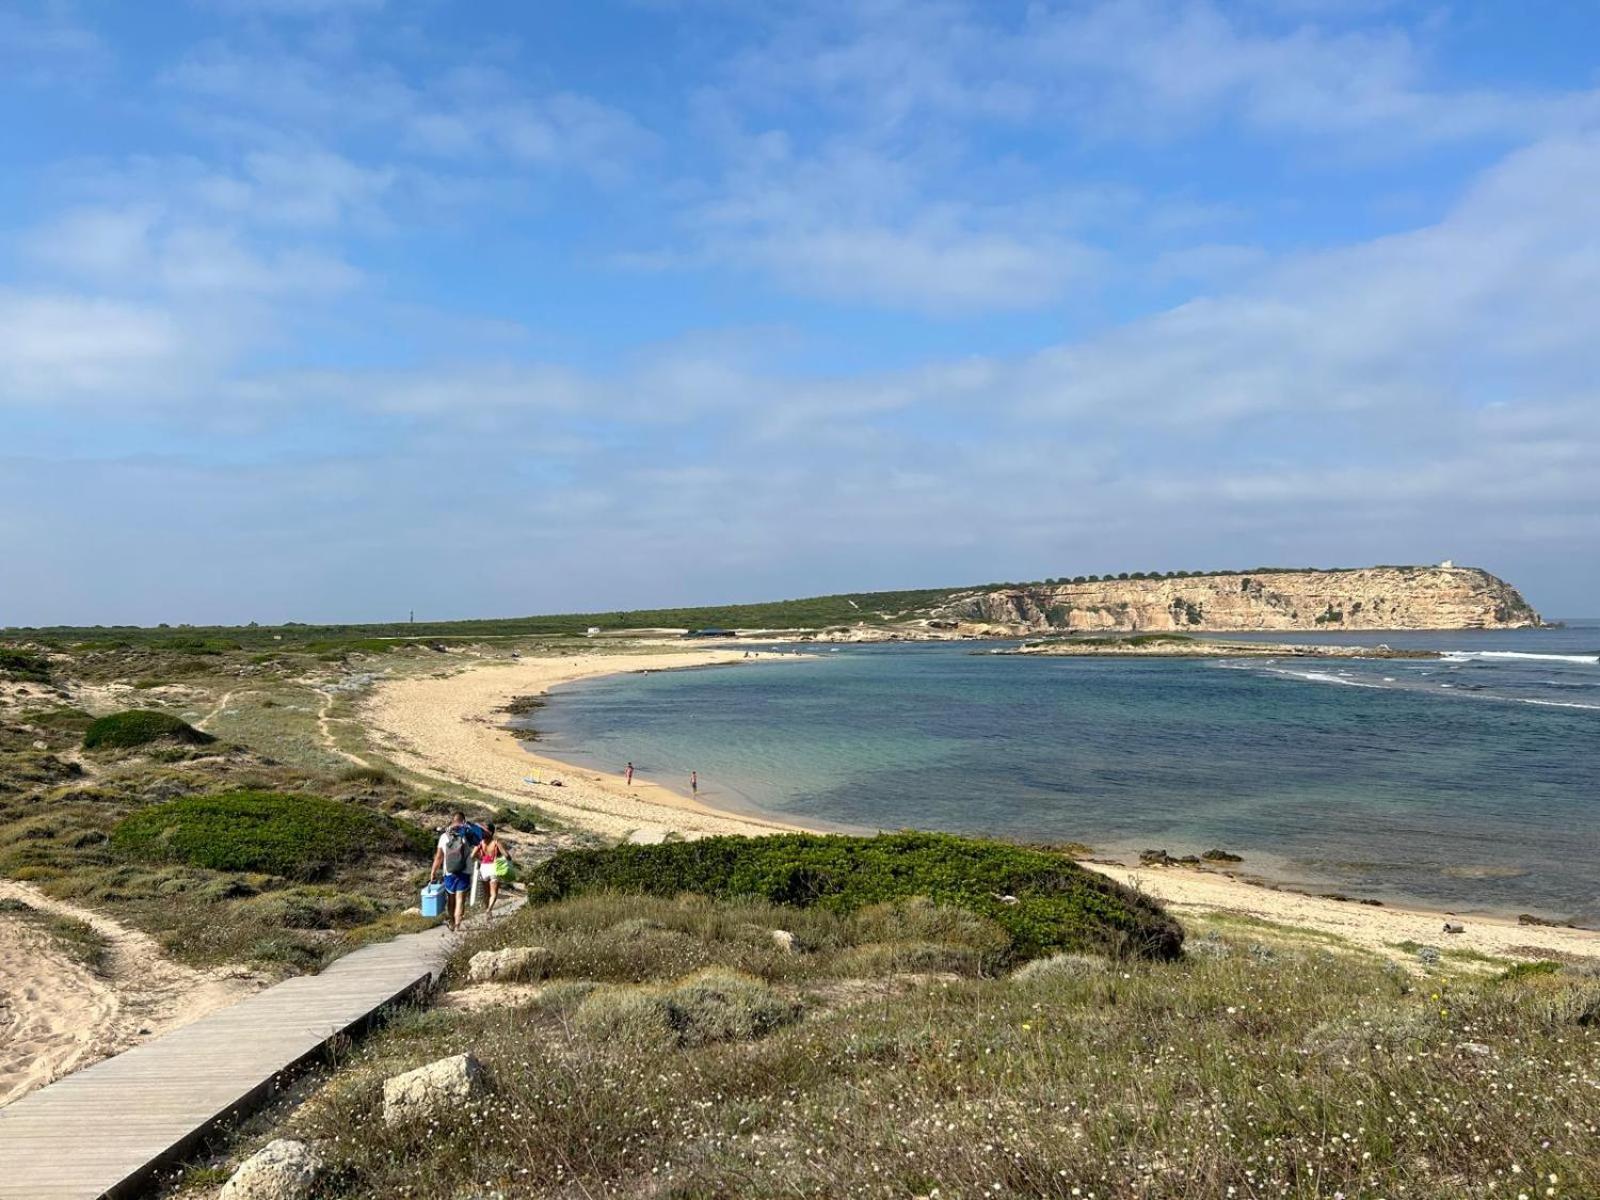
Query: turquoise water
x,y
1468,783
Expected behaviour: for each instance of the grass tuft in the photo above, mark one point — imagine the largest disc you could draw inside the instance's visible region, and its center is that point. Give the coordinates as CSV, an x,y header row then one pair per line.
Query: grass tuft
x,y
714,1005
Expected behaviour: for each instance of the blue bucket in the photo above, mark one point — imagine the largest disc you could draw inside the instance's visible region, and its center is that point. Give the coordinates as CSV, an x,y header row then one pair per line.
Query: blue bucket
x,y
433,900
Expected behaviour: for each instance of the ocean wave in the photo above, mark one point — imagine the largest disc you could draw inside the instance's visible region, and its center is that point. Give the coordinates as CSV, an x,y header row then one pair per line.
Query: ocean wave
x,y
1588,660
1559,704
1326,677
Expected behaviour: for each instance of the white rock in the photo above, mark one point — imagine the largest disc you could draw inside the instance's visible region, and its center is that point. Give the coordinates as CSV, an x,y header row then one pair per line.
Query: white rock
x,y
512,965
432,1089
785,940
280,1170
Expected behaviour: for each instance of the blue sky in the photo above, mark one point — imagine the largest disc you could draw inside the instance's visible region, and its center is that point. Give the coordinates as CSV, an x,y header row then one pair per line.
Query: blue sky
x,y
334,309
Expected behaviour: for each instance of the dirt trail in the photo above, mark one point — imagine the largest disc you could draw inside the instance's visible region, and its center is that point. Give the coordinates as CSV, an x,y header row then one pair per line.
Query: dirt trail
x,y
218,709
56,1016
325,729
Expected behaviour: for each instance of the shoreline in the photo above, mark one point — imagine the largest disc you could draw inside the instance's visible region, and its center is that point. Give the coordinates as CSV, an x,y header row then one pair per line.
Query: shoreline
x,y
446,727
452,728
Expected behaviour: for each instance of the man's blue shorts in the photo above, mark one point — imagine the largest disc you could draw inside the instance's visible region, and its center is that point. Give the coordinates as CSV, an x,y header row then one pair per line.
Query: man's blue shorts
x,y
458,883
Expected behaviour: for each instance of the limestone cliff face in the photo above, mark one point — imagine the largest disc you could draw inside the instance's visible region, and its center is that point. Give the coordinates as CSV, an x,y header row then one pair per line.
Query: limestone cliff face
x,y
1365,598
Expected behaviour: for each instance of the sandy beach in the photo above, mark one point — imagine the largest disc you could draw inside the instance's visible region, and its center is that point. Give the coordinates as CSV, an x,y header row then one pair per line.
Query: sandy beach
x,y
451,727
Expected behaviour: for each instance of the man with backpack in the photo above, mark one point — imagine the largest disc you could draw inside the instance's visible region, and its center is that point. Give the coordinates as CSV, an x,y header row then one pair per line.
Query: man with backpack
x,y
454,858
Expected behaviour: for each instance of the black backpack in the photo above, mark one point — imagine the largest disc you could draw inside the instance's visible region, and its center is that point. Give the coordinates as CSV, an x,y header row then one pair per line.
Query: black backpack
x,y
458,849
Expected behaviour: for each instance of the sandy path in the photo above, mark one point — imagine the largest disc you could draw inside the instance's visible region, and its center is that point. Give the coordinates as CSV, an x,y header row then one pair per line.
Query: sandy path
x,y
55,1016
325,731
52,1010
449,727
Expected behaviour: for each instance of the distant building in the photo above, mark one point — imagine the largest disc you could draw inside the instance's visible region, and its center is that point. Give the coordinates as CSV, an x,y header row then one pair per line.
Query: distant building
x,y
1448,565
592,631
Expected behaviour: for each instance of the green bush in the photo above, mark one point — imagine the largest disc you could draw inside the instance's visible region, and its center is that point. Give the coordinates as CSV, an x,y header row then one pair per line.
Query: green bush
x,y
1044,901
140,727
22,667
301,837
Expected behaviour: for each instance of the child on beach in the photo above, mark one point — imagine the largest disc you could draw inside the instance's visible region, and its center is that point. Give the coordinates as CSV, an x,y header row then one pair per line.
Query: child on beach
x,y
493,864
629,773
694,783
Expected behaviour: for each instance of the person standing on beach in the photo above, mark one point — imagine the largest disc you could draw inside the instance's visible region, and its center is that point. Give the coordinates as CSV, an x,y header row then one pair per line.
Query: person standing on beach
x,y
694,783
454,858
629,774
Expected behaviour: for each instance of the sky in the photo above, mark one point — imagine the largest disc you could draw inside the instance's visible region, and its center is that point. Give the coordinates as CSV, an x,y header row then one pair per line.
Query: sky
x,y
330,310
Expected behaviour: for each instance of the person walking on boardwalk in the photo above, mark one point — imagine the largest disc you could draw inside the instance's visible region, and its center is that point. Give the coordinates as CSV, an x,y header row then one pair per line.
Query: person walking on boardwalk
x,y
453,857
494,864
629,773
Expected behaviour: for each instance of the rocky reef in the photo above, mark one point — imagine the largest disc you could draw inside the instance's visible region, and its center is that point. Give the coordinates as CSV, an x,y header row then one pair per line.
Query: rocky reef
x,y
1442,597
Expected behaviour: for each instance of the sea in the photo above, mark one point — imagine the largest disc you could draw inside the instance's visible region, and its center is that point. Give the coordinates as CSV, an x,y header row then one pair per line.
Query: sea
x,y
1469,783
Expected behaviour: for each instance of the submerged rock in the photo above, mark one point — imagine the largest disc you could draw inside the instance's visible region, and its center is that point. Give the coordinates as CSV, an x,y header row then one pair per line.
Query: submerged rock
x,y
280,1170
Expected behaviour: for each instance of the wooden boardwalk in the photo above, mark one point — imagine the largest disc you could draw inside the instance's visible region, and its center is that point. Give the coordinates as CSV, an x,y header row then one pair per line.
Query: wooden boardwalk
x,y
105,1130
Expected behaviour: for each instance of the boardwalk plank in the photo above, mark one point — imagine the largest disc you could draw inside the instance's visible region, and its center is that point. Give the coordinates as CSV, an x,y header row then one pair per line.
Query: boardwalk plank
x,y
104,1130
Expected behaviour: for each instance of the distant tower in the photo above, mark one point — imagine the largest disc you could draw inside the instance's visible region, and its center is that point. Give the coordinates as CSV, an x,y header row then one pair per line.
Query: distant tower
x,y
413,616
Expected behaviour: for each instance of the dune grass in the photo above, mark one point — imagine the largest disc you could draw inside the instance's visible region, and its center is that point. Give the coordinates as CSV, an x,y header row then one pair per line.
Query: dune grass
x,y
1306,1072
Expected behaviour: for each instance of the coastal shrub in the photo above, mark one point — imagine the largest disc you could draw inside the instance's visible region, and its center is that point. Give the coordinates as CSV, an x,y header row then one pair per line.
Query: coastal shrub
x,y
1044,901
140,727
715,1005
300,837
19,666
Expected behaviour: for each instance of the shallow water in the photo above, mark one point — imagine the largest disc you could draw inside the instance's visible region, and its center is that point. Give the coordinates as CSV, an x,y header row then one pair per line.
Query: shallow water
x,y
1467,783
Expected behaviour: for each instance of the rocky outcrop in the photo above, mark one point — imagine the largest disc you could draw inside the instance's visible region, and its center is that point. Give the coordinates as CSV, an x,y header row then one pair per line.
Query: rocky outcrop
x,y
1365,598
515,964
280,1170
431,1089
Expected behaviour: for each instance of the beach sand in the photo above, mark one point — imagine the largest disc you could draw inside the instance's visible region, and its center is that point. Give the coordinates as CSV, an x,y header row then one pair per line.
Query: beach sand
x,y
449,727
56,1016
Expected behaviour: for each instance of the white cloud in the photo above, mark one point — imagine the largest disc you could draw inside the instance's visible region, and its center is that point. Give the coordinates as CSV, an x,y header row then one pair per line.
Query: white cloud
x,y
61,346
294,8
49,49
479,114
1147,68
140,249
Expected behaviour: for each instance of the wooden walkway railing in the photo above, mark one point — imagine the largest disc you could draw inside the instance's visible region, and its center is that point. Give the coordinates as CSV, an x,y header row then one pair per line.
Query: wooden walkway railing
x,y
107,1129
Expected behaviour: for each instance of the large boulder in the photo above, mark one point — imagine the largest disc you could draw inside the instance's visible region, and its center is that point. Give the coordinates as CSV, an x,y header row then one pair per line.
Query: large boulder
x,y
280,1170
431,1089
515,964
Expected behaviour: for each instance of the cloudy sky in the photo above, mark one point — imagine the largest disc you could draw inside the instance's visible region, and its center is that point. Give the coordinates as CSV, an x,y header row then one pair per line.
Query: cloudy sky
x,y
333,309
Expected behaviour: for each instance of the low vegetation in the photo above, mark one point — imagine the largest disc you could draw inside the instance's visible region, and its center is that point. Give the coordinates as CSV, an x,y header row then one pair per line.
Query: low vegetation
x,y
295,836
1043,900
678,1049
146,818
21,666
141,727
